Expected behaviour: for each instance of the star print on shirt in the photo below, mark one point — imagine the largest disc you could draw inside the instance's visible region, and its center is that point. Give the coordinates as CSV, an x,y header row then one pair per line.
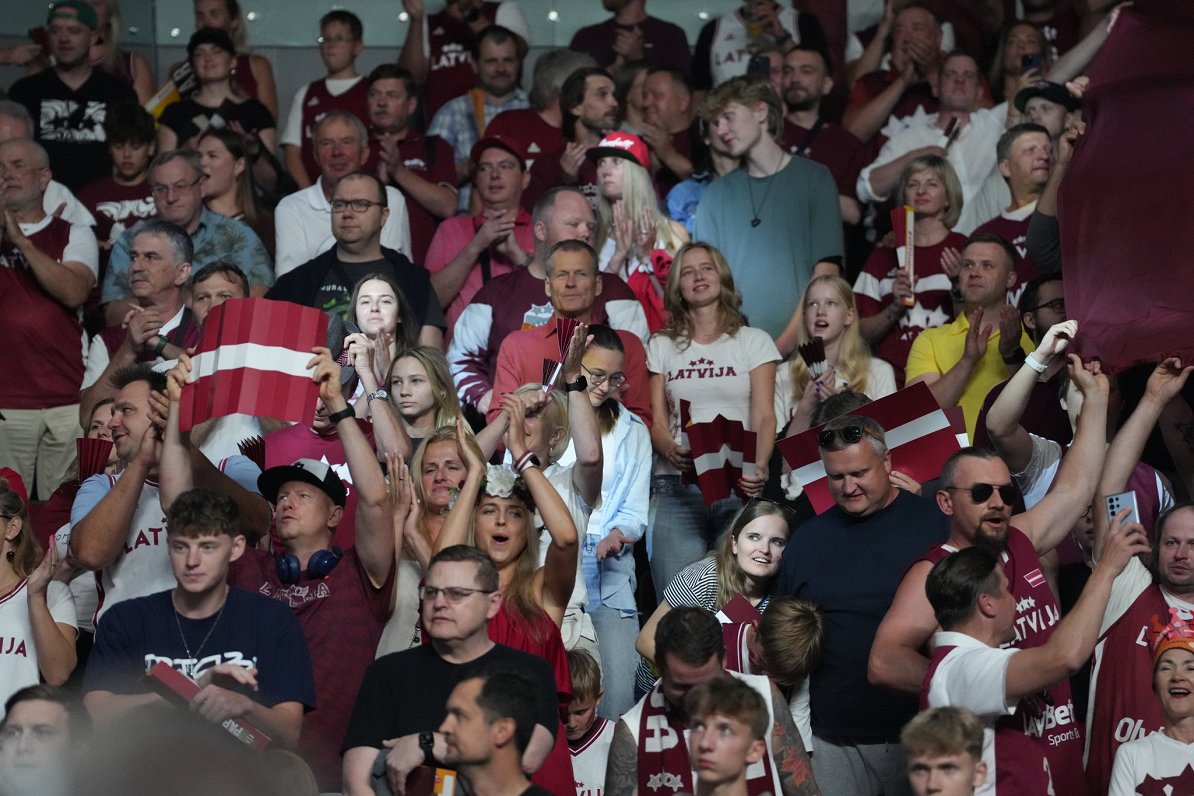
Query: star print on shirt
x,y
1182,783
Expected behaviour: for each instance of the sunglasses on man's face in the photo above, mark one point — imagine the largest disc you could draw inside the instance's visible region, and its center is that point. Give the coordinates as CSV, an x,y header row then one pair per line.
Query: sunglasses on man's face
x,y
981,493
849,435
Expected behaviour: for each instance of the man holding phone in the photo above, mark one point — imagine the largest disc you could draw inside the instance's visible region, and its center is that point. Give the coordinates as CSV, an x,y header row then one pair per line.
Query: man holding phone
x,y
1123,706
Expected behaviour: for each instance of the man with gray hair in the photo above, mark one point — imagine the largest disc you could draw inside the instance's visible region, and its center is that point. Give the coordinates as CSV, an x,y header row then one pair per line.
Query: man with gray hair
x,y
47,270
15,122
873,528
303,220
159,326
175,179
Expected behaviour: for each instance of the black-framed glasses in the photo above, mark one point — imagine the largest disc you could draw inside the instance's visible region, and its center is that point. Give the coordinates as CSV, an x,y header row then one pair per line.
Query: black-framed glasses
x,y
848,435
357,205
615,380
981,493
1057,305
453,594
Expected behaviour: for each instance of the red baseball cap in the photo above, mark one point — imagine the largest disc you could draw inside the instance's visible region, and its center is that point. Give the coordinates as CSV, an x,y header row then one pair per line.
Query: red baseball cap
x,y
621,145
501,142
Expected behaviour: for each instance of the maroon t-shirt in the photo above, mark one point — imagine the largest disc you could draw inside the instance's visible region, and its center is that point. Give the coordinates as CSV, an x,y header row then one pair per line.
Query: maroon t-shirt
x,y
833,147
342,616
664,44
116,207
41,358
931,288
1015,231
547,174
317,102
449,60
292,443
527,127
433,159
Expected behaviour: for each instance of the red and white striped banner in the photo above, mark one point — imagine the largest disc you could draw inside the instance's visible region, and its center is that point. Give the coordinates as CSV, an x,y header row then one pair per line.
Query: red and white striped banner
x,y
722,452
919,435
252,359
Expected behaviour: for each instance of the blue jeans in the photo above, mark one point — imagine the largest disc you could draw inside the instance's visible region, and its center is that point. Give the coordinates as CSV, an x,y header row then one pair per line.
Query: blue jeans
x,y
682,528
616,634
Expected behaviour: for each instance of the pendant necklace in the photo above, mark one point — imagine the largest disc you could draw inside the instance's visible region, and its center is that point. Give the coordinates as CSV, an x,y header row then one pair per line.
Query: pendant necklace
x,y
754,211
194,659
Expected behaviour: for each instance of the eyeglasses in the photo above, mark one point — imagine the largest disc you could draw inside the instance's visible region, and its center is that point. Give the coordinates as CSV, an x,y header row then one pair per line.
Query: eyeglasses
x,y
357,205
980,493
848,435
178,187
615,380
453,594
1057,305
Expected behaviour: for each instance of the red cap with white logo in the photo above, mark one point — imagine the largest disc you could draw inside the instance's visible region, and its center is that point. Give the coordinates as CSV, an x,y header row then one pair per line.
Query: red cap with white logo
x,y
621,145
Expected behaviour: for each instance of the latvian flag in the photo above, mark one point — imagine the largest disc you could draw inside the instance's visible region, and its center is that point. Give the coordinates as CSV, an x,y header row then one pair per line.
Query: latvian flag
x,y
722,452
919,436
737,618
253,359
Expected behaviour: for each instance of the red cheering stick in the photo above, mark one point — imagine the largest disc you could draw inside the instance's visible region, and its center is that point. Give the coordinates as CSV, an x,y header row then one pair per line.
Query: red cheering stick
x,y
178,689
551,372
813,354
564,329
93,456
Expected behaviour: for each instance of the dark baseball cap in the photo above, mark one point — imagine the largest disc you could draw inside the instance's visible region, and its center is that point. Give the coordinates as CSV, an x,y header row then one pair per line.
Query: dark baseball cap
x,y
83,12
500,142
309,471
210,36
1054,92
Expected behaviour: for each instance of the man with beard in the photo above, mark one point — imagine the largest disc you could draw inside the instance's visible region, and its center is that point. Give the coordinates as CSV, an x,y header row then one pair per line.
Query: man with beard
x,y
1032,744
806,80
976,494
498,55
590,110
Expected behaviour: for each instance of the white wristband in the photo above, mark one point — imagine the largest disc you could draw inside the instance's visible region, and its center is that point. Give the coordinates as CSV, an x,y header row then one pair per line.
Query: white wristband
x,y
1034,363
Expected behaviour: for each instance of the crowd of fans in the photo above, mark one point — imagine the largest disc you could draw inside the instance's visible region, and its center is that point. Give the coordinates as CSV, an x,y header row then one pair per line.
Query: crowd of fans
x,y
485,561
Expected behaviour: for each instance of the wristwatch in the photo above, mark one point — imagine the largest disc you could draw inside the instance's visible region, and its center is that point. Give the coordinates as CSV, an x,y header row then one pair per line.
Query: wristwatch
x,y
343,414
378,393
580,385
427,744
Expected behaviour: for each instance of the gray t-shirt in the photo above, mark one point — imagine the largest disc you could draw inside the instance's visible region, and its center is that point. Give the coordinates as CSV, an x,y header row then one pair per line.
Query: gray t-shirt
x,y
799,224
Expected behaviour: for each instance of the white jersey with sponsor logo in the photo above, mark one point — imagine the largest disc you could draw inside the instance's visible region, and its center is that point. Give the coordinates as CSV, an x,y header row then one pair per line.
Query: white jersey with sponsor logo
x,y
589,759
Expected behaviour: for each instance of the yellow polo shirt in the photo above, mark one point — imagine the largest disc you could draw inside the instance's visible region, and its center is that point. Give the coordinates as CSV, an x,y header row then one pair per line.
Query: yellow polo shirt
x,y
939,349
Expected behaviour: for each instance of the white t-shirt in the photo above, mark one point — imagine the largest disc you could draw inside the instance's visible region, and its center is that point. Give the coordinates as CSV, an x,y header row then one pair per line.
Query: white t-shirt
x,y
880,382
973,676
1157,757
713,377
80,248
18,653
1038,475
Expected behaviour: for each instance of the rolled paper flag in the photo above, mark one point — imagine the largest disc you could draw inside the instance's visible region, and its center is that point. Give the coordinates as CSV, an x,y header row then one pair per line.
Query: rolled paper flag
x,y
93,456
903,225
813,354
253,448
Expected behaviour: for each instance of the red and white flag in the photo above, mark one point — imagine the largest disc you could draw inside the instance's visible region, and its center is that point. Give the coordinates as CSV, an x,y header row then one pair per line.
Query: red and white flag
x,y
722,452
253,359
919,435
737,618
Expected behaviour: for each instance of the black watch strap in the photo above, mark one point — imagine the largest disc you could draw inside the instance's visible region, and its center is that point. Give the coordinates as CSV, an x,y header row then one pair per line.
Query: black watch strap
x,y
427,744
343,414
580,385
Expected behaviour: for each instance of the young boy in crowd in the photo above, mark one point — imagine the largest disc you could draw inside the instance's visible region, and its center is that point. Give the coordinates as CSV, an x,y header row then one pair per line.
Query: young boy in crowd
x,y
589,735
728,724
944,747
340,42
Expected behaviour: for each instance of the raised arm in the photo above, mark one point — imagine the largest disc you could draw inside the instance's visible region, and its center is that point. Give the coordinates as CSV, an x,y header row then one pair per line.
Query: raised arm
x,y
98,538
582,423
413,56
1073,639
559,569
1165,384
53,640
459,521
1011,440
374,521
896,659
1050,520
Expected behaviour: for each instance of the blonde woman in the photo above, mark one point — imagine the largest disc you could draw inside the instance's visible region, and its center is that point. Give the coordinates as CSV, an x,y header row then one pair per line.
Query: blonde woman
x,y
708,358
422,393
827,312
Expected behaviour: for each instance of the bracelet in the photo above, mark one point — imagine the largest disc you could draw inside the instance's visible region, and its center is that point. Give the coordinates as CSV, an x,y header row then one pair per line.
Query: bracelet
x,y
160,348
343,414
1034,363
528,459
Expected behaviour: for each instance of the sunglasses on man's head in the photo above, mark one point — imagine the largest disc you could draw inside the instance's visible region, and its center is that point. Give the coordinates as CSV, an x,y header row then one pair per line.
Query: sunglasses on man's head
x,y
848,435
981,493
